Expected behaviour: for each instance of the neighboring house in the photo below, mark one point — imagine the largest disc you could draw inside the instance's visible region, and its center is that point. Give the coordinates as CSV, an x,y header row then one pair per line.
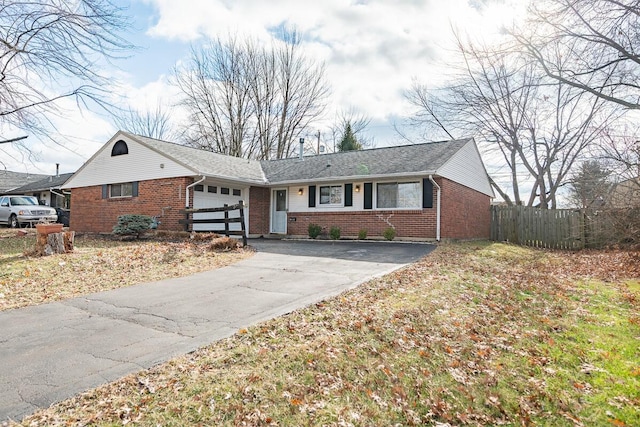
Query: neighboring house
x,y
12,180
424,191
47,190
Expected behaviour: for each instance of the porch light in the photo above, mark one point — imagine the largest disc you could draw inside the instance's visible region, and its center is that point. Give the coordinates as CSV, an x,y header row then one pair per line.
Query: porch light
x,y
300,192
357,188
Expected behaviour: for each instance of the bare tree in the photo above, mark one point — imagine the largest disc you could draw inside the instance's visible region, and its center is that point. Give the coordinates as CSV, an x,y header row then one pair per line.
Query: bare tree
x,y
217,96
54,49
151,123
251,101
539,127
302,91
600,45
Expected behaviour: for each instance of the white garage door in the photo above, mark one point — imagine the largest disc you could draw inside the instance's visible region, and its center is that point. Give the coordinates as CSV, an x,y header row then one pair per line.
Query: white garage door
x,y
216,196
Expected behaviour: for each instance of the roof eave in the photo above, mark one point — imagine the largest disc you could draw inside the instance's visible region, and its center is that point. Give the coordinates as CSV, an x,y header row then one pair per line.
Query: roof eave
x,y
355,178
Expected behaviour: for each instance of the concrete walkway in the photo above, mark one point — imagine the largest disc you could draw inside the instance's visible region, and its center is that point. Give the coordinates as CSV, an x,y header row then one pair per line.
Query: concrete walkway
x,y
51,352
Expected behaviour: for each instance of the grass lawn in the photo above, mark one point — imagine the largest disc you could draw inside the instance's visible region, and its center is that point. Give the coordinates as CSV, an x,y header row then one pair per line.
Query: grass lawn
x,y
474,334
97,264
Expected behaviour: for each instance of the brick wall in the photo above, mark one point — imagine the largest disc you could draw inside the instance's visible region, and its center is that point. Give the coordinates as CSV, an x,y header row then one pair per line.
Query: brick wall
x,y
259,210
90,213
464,215
465,212
419,224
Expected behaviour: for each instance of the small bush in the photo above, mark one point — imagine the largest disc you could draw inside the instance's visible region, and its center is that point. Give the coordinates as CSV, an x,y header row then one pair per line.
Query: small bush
x,y
224,244
362,234
389,233
132,225
334,233
314,230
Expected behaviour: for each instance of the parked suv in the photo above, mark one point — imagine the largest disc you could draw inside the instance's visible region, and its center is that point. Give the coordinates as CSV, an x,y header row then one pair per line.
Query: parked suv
x,y
16,211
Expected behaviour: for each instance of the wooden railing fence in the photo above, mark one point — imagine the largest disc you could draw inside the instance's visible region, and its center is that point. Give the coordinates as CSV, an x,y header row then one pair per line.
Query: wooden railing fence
x,y
188,212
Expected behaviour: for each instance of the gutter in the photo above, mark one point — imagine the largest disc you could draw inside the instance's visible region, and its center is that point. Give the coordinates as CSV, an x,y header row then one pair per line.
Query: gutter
x,y
437,207
186,190
347,178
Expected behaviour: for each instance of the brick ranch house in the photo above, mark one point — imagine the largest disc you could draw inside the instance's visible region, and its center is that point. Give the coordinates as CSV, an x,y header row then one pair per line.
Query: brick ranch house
x,y
427,191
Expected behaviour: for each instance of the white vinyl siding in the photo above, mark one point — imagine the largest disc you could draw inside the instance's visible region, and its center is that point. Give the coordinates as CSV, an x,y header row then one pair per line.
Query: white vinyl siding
x,y
465,167
140,164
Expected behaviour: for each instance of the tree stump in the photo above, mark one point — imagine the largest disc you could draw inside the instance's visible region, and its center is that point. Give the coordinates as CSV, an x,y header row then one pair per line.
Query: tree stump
x,y
54,243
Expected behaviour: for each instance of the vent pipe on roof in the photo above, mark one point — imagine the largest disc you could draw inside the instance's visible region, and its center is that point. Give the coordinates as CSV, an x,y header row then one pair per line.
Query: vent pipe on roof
x,y
57,169
301,148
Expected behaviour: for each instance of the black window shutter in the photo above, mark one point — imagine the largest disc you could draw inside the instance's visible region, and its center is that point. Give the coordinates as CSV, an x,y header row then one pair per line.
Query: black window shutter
x,y
348,194
368,195
427,193
105,191
134,189
312,196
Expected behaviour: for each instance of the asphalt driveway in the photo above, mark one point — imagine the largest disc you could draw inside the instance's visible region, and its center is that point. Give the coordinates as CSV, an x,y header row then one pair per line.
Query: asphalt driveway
x,y
53,351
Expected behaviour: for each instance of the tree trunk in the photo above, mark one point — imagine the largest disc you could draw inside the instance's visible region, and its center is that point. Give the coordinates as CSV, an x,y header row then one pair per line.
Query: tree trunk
x,y
54,243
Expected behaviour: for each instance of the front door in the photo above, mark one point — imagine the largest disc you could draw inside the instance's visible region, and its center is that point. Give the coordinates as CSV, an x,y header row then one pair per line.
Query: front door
x,y
279,211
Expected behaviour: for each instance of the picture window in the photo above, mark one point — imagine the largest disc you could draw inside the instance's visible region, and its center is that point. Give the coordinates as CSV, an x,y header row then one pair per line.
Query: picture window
x,y
331,195
397,195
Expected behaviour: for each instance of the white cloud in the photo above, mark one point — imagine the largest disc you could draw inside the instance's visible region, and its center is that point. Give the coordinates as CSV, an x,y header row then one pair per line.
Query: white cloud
x,y
372,49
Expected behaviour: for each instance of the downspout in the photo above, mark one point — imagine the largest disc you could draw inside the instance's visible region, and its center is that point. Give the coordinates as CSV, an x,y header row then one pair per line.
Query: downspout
x,y
437,207
186,201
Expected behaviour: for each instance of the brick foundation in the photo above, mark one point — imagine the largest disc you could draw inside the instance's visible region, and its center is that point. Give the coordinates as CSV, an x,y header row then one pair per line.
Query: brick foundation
x,y
418,224
163,198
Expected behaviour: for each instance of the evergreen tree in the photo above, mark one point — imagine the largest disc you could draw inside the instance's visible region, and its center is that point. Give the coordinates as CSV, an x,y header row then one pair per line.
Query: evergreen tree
x,y
348,142
590,185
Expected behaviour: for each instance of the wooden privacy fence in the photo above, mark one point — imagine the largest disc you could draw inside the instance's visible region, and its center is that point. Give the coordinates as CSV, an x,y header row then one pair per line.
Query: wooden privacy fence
x,y
188,212
541,228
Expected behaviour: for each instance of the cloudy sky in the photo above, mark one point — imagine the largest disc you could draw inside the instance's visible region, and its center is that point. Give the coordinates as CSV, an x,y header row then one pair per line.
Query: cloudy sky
x,y
372,49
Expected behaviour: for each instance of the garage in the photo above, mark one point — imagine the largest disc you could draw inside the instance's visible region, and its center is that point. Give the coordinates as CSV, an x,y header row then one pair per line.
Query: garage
x,y
212,194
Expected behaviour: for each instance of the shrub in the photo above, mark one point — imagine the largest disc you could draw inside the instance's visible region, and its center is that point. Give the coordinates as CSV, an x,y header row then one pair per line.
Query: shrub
x,y
132,225
334,233
223,244
314,230
362,234
389,233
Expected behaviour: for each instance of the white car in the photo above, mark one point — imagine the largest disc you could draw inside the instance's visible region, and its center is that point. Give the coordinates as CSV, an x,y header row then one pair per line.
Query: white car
x,y
16,211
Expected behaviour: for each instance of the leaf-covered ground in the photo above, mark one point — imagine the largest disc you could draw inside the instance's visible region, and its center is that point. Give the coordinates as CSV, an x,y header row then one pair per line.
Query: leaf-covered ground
x,y
474,334
97,264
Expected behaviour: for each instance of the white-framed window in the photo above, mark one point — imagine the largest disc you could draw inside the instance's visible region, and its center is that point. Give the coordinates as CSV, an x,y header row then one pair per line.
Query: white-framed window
x,y
124,189
398,195
331,195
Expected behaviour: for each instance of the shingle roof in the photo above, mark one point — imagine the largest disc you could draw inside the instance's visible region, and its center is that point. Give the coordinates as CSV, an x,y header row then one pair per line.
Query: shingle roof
x,y
43,184
10,180
206,162
388,161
